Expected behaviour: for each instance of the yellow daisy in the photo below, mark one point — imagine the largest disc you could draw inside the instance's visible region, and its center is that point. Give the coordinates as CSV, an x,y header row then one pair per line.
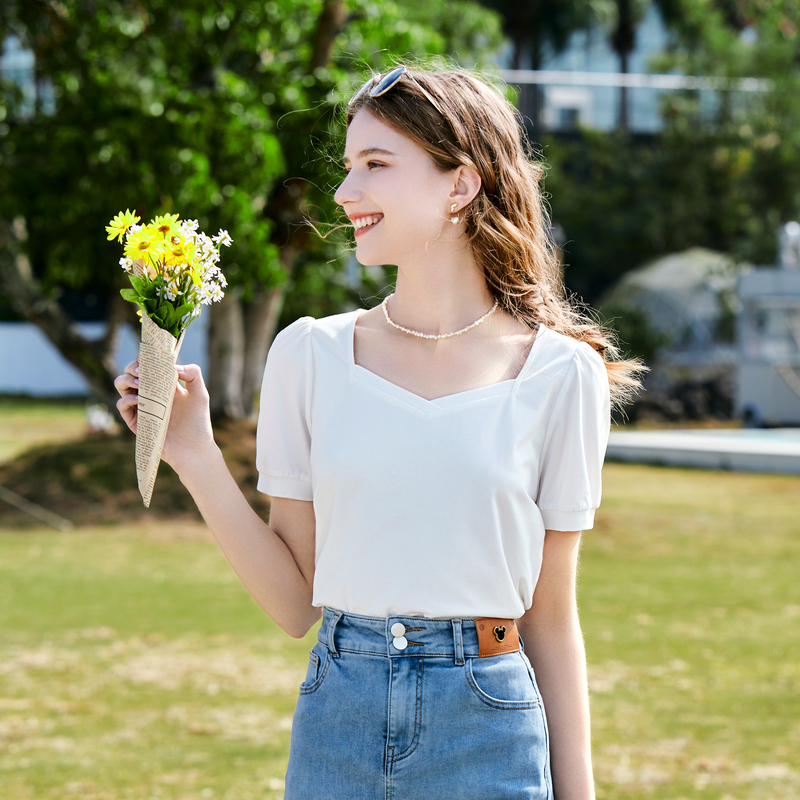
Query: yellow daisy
x,y
119,226
144,245
178,251
166,224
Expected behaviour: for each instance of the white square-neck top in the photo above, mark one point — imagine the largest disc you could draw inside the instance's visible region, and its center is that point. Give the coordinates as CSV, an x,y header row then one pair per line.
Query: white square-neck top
x,y
433,508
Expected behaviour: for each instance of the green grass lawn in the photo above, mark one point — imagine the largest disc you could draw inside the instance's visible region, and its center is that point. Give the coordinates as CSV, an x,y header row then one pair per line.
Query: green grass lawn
x,y
690,602
25,422
134,665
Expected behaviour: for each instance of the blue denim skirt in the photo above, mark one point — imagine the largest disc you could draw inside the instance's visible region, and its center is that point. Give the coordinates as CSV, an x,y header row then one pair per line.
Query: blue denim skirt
x,y
415,716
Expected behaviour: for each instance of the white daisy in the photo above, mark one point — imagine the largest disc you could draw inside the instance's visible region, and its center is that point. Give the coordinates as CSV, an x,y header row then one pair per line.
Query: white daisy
x,y
223,237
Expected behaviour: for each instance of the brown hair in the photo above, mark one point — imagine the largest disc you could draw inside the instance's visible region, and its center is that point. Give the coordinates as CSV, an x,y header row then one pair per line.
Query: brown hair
x,y
507,225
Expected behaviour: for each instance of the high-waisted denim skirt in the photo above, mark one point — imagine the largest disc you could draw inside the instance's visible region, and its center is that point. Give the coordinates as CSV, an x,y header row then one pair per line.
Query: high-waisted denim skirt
x,y
415,717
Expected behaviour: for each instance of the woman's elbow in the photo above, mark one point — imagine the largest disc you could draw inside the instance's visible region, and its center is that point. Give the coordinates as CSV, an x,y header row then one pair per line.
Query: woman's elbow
x,y
299,626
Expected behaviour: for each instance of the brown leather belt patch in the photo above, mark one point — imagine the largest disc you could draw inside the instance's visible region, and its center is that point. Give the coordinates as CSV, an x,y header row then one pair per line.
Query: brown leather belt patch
x,y
496,636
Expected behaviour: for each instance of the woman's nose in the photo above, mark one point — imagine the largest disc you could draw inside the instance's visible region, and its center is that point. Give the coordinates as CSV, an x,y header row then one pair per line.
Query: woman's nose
x,y
347,191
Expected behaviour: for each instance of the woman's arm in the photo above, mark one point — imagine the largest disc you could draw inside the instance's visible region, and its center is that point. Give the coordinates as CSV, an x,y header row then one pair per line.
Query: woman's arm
x,y
554,644
275,562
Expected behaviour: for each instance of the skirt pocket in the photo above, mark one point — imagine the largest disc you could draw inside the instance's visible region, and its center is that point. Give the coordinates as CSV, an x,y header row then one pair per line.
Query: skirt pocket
x,y
319,660
504,682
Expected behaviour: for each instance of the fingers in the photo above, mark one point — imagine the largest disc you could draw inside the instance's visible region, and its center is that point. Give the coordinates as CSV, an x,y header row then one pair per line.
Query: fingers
x,y
129,381
126,406
127,385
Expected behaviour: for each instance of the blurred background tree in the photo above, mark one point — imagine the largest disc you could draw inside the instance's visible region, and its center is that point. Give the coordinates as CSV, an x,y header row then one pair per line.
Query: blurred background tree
x,y
221,111
721,173
230,112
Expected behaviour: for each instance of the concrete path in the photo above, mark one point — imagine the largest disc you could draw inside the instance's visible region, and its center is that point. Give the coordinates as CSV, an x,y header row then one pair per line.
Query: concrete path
x,y
774,450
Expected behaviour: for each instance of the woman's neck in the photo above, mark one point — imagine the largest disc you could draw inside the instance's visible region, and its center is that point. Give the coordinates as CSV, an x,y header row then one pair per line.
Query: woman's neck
x,y
440,297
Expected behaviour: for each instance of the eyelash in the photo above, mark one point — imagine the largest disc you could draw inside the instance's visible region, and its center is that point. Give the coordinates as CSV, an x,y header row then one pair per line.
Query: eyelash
x,y
370,165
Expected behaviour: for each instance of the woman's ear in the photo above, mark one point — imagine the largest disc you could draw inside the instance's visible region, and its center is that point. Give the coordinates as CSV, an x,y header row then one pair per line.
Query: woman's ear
x,y
466,184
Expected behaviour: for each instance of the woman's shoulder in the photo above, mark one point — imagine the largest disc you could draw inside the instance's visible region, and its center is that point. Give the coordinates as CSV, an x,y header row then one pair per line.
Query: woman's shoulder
x,y
305,332
560,350
559,359
319,326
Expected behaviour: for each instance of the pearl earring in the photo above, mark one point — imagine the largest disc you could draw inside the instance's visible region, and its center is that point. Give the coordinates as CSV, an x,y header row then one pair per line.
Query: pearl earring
x,y
453,218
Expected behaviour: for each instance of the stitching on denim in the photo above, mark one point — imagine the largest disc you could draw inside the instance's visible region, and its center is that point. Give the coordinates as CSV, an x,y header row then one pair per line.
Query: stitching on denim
x,y
379,653
382,653
330,640
389,752
547,777
323,671
417,718
458,642
387,773
496,702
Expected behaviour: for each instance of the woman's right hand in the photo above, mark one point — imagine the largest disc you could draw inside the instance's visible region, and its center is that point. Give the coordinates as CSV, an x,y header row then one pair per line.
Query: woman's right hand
x,y
190,430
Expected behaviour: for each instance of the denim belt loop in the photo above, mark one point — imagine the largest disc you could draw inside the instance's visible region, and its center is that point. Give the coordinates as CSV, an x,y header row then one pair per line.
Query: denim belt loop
x,y
337,615
458,642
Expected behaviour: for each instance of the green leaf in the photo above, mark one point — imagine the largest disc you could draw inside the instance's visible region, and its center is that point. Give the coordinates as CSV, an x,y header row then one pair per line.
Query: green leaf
x,y
170,319
130,295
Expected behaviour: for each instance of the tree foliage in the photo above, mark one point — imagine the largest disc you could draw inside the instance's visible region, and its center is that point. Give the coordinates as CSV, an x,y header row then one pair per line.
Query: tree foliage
x,y
219,110
722,173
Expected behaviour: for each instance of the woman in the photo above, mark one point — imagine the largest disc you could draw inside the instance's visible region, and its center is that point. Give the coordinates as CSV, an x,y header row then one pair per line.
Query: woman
x,y
431,464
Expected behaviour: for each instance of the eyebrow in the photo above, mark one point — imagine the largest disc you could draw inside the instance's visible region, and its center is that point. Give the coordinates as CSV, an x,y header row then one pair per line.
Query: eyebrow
x,y
371,151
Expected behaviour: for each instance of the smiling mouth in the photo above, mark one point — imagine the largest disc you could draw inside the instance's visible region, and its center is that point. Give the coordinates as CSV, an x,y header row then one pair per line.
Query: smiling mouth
x,y
363,224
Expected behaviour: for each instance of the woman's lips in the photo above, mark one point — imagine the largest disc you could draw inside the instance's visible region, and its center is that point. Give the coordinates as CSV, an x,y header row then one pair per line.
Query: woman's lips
x,y
365,222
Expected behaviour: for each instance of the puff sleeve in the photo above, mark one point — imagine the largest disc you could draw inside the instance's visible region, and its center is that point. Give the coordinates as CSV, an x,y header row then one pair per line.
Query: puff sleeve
x,y
283,438
575,445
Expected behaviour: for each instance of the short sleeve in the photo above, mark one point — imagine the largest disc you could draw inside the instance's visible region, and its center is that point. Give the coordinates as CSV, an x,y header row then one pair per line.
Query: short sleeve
x,y
283,439
575,445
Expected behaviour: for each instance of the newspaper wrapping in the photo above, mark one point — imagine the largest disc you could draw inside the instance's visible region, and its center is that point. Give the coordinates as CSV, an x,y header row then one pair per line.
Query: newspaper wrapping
x,y
158,354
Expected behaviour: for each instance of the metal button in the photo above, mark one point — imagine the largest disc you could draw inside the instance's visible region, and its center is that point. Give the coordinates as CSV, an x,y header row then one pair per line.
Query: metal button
x,y
398,629
400,642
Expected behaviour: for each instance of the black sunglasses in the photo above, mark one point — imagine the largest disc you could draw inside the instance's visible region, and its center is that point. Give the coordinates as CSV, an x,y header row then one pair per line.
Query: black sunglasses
x,y
377,85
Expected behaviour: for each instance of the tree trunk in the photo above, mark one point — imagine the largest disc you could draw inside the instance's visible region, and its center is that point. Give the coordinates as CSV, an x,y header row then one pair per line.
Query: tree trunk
x,y
239,336
623,121
94,359
240,333
623,40
331,18
537,90
226,357
260,321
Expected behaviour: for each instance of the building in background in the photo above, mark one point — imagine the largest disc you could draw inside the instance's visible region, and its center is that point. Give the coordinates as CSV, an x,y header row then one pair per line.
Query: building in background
x,y
581,85
768,333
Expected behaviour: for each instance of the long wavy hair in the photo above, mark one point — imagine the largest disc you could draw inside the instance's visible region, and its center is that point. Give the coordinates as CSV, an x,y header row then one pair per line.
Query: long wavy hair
x,y
460,120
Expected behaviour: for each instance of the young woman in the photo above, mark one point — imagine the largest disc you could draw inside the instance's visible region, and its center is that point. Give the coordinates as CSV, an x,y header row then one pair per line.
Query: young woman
x,y
431,464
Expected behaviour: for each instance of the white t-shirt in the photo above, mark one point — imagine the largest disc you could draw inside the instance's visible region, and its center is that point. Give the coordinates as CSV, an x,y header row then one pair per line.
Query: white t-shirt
x,y
432,508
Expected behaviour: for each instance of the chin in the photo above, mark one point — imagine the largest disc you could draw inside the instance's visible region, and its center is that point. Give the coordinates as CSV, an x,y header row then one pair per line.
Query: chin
x,y
369,260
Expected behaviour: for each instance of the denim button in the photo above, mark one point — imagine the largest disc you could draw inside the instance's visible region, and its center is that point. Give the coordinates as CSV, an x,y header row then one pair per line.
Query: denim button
x,y
398,629
400,642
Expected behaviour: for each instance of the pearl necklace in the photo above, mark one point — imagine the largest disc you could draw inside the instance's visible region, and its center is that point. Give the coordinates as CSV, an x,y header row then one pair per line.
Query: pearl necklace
x,y
385,307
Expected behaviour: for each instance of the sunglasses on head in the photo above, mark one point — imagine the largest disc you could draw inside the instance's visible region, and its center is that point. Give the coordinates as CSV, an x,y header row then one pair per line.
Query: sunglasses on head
x,y
377,85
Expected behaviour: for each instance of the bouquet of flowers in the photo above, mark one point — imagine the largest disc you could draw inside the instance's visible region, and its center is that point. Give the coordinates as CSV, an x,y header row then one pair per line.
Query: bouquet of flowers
x,y
173,270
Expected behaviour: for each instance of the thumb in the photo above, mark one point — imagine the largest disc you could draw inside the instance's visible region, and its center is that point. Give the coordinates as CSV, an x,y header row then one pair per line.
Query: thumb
x,y
192,377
